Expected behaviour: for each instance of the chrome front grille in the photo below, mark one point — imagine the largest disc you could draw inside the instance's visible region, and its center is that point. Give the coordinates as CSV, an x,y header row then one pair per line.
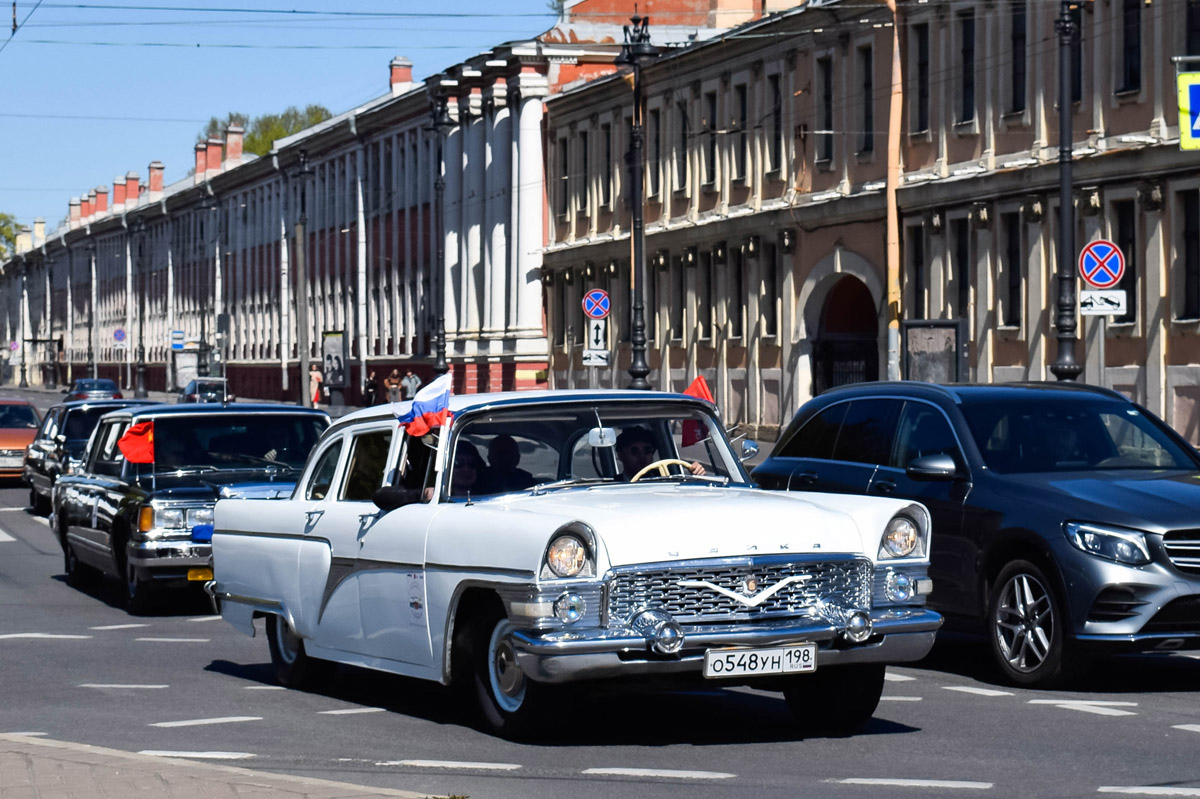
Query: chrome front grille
x,y
1183,548
843,582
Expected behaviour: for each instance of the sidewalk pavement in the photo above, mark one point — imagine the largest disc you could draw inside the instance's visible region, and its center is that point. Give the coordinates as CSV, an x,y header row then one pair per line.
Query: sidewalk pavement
x,y
43,769
169,397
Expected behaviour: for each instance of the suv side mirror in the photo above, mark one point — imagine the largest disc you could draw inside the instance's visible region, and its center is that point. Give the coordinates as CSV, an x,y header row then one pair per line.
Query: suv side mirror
x,y
932,467
389,498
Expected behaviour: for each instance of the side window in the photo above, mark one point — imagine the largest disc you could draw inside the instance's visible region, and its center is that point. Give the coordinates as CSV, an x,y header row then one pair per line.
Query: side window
x,y
416,465
49,426
368,461
107,457
867,429
922,430
816,438
99,437
322,475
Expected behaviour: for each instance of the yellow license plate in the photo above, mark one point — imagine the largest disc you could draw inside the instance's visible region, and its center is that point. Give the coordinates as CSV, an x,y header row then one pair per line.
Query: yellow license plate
x,y
200,574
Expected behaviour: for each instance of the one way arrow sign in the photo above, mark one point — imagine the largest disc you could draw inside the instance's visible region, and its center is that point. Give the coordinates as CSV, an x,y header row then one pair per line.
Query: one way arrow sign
x,y
596,352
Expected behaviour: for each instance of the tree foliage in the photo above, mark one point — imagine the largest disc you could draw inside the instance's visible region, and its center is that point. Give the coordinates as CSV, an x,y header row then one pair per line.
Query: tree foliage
x,y
9,228
262,131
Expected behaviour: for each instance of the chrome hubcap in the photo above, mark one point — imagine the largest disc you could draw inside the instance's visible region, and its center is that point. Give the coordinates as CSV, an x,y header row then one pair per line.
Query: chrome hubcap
x,y
1024,623
289,642
506,677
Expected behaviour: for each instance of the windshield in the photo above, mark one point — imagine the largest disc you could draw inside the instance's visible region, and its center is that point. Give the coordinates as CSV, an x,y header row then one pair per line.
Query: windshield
x,y
234,441
1081,435
507,450
18,416
80,423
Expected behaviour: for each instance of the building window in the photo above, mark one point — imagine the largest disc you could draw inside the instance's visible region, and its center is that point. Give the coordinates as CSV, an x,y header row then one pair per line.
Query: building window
x,y
1190,307
966,30
740,139
653,134
1019,40
704,298
710,149
1193,27
1131,46
775,143
1010,309
866,142
677,298
920,110
825,109
564,178
737,292
586,171
919,271
606,179
681,145
1126,240
770,290
960,231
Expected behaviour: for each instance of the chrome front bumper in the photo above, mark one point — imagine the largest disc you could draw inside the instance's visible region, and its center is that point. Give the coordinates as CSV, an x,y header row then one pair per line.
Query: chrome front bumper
x,y
167,558
897,635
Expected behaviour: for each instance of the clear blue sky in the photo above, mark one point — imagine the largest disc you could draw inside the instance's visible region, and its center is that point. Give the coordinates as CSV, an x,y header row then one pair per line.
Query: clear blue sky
x,y
92,90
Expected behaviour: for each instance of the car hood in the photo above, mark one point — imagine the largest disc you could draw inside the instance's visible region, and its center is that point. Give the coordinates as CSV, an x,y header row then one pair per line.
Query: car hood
x,y
16,437
1155,501
648,524
226,484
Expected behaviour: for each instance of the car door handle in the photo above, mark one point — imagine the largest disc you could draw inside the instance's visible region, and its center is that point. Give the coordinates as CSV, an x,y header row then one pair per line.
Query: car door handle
x,y
807,478
312,515
885,486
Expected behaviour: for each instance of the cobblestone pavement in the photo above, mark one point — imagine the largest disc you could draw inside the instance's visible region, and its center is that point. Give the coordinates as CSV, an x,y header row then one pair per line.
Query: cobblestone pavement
x,y
33,768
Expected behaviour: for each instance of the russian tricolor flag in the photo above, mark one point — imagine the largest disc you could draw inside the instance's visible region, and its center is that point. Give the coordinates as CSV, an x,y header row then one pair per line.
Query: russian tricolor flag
x,y
429,409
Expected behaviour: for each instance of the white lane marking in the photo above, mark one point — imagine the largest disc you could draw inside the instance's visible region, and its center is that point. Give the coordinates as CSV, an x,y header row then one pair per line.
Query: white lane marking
x,y
46,636
903,783
29,734
970,689
177,640
42,520
451,764
118,626
206,618
900,698
118,685
350,711
1187,727
658,772
898,677
265,688
200,722
5,537
1096,707
197,755
1148,790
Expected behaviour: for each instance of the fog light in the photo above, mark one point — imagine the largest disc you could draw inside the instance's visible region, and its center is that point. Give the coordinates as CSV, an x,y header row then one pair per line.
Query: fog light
x,y
858,626
570,608
664,633
898,587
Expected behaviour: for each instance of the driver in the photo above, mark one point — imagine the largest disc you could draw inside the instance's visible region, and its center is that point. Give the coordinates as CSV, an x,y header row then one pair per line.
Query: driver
x,y
636,450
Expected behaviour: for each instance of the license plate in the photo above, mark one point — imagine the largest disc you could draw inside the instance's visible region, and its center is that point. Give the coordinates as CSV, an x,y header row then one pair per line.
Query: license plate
x,y
10,462
200,574
750,662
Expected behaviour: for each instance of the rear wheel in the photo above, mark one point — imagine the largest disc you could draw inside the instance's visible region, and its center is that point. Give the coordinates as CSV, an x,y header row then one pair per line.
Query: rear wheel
x,y
836,700
509,702
37,503
292,665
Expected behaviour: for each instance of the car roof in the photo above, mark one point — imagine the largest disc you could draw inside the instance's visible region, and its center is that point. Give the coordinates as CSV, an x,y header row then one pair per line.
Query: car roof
x,y
159,410
103,403
958,392
14,401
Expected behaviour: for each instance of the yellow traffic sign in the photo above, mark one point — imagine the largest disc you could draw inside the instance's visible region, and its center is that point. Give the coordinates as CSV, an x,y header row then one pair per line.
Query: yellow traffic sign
x,y
1189,110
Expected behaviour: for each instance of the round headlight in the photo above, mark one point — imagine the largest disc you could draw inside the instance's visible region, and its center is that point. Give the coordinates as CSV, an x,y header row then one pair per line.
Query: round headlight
x,y
567,556
901,537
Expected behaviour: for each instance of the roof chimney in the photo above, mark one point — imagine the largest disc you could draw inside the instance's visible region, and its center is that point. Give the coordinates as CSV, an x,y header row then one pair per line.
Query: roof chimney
x,y
132,189
39,232
119,193
214,157
401,79
201,158
24,240
87,205
75,213
101,199
156,178
234,137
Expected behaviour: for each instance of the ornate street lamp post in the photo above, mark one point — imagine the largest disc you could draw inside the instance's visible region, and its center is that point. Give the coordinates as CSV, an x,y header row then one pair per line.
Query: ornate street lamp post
x,y
1065,367
635,52
302,173
91,352
21,316
139,230
442,125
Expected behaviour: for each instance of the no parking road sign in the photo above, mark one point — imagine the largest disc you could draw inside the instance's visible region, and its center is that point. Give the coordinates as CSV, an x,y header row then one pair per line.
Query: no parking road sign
x,y
1101,264
596,304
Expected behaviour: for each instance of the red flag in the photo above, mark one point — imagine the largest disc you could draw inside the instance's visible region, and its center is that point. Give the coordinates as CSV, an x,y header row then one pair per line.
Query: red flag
x,y
693,432
137,445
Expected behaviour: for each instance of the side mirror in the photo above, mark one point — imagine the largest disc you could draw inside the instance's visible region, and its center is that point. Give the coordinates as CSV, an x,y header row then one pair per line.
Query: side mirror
x,y
749,450
60,438
932,467
602,437
389,498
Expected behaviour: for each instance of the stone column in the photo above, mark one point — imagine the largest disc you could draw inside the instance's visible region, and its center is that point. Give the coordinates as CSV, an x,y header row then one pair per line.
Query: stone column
x,y
531,194
499,165
473,166
452,214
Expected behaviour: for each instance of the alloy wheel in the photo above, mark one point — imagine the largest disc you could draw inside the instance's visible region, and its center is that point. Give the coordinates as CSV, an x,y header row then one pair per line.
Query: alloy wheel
x,y
1023,622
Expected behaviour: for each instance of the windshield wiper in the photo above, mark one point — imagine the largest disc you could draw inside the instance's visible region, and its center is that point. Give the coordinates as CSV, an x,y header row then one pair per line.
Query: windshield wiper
x,y
183,469
704,478
242,460
570,481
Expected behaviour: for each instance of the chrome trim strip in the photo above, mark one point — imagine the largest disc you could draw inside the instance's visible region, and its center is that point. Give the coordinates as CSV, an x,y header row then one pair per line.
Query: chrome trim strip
x,y
269,604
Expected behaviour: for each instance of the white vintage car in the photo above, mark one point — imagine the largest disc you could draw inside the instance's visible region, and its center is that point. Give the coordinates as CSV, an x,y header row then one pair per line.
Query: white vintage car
x,y
544,538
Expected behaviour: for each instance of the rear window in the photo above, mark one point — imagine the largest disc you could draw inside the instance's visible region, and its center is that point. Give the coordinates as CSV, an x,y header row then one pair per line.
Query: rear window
x,y
233,441
82,422
95,385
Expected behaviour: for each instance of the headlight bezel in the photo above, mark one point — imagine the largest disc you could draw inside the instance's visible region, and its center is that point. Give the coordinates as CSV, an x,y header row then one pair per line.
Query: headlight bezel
x,y
894,533
584,540
1105,541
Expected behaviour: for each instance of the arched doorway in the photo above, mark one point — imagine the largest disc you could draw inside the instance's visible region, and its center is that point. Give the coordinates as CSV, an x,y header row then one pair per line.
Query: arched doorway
x,y
846,349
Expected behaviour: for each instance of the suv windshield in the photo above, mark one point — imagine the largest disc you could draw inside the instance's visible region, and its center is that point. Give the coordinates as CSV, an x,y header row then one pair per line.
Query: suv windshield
x,y
234,441
1019,437
504,450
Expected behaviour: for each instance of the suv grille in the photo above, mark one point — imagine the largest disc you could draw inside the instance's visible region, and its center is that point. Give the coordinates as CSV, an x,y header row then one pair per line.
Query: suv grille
x,y
1183,548
844,582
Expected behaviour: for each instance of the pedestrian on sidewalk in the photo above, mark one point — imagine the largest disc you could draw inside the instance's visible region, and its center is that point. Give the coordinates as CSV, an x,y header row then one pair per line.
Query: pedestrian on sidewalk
x,y
410,385
314,384
370,390
392,384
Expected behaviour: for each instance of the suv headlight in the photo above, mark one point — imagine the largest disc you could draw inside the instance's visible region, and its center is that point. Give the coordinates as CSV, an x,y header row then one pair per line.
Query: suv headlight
x,y
901,538
1110,543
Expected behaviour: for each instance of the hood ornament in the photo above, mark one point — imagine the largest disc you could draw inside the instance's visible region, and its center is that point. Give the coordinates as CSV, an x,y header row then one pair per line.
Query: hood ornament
x,y
748,597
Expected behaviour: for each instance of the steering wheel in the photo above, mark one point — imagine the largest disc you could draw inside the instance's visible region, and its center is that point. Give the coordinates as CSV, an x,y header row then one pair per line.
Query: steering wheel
x,y
661,465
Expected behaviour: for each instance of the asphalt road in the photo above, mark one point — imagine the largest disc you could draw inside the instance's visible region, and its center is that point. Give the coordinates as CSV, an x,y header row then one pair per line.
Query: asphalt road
x,y
75,667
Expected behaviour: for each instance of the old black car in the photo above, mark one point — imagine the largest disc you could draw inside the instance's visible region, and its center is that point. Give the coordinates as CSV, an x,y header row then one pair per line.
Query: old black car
x,y
1066,519
149,522
206,389
60,443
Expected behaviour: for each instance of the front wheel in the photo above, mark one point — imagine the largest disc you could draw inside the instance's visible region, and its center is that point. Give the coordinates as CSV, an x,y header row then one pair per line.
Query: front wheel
x,y
508,700
1026,621
137,591
837,700
292,665
78,575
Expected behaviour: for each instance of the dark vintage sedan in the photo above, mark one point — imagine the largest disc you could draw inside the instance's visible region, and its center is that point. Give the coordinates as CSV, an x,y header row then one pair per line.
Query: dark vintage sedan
x,y
59,444
149,522
206,389
93,388
1066,519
